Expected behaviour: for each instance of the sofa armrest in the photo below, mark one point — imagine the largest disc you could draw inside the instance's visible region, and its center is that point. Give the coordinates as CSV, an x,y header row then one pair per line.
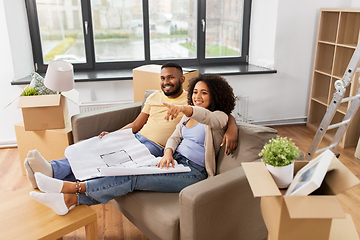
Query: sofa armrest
x,y
87,125
221,207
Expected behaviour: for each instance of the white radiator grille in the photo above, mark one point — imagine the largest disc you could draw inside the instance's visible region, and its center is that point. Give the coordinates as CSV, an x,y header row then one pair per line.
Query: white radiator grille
x,y
92,106
241,109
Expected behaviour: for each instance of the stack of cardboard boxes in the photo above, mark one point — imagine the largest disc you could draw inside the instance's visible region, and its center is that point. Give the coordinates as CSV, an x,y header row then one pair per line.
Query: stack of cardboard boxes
x,y
45,126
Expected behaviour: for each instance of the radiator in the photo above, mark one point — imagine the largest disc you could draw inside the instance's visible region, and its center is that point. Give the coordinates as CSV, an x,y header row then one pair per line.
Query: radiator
x,y
92,106
241,109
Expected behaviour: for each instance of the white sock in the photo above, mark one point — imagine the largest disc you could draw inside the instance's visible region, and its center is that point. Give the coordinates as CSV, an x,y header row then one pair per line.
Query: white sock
x,y
30,174
55,201
36,163
48,184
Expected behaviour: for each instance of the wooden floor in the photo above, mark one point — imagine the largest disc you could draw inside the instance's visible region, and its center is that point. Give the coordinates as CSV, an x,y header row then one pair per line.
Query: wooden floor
x,y
111,223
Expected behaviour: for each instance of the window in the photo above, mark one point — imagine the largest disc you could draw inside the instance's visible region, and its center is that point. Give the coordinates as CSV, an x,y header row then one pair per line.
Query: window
x,y
117,34
118,30
173,29
61,32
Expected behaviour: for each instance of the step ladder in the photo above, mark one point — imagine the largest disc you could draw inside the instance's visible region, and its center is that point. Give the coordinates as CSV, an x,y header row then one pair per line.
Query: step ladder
x,y
338,98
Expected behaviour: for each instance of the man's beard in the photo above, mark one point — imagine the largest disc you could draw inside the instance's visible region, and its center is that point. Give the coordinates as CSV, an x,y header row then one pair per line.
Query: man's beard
x,y
174,92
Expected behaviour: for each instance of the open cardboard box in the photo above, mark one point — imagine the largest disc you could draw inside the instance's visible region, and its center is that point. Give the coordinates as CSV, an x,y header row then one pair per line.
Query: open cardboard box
x,y
147,77
42,112
300,217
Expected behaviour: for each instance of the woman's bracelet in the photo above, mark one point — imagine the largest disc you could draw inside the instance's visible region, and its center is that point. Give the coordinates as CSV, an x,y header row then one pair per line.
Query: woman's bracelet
x,y
78,187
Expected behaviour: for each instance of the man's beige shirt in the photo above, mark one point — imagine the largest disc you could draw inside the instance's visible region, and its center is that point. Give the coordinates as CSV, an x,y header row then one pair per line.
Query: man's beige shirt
x,y
157,129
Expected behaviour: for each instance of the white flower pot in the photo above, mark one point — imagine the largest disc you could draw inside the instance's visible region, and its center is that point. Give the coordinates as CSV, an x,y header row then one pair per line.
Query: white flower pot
x,y
282,175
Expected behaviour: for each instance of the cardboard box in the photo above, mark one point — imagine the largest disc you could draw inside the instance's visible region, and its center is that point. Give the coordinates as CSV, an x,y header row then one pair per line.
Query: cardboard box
x,y
148,77
50,143
343,229
300,217
43,112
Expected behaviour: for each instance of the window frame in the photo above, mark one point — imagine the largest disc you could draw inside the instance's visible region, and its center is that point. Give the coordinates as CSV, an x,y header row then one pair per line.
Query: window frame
x,y
90,65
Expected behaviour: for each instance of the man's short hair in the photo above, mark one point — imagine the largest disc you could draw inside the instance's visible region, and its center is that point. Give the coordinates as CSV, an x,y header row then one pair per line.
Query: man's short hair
x,y
172,64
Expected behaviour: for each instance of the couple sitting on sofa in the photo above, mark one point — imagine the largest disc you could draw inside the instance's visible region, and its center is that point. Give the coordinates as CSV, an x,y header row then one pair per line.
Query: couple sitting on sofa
x,y
195,142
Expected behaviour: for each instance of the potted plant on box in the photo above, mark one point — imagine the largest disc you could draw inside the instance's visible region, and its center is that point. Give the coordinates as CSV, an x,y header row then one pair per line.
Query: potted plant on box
x,y
279,155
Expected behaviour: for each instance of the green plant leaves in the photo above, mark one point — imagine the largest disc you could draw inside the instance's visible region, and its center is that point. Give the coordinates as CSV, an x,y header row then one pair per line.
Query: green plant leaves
x,y
29,91
279,152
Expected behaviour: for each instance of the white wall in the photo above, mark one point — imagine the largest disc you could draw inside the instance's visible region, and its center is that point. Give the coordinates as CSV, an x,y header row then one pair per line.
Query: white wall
x,y
290,47
10,115
355,4
283,34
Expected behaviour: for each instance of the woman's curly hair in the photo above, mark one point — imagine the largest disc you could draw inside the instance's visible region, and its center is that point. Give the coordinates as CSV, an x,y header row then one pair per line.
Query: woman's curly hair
x,y
222,97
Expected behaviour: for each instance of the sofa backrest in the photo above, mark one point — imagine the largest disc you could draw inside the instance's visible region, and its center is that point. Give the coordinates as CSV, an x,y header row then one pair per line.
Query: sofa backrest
x,y
146,94
252,139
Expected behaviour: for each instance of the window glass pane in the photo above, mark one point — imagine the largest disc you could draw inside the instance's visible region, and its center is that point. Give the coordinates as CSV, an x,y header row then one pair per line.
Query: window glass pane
x,y
118,30
224,21
172,29
61,33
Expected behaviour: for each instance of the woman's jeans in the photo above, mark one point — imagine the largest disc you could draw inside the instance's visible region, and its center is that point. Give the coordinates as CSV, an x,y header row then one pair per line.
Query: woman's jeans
x,y
62,169
102,190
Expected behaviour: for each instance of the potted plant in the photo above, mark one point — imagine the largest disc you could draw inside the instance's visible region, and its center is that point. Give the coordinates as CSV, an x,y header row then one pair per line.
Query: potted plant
x,y
279,155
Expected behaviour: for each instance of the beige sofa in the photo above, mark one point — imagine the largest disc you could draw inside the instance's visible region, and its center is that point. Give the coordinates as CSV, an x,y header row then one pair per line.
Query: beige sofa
x,y
220,208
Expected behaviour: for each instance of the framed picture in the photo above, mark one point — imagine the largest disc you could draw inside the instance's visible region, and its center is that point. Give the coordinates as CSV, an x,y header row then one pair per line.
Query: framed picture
x,y
310,177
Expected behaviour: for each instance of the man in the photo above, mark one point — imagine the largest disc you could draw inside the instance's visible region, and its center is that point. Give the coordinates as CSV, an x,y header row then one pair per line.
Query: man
x,y
146,127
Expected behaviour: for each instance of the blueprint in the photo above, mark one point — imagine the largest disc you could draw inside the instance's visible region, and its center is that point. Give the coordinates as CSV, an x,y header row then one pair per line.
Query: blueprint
x,y
117,153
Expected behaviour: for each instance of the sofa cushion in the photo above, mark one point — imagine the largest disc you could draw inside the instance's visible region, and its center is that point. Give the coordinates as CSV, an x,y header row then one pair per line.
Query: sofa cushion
x,y
154,214
252,139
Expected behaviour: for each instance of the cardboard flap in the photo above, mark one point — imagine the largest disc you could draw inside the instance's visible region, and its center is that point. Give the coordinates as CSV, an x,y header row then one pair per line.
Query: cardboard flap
x,y
343,229
187,70
11,102
314,207
339,179
260,180
154,68
39,101
72,95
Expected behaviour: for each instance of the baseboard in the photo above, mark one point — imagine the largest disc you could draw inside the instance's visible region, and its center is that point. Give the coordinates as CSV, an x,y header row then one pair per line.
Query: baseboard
x,y
8,143
277,122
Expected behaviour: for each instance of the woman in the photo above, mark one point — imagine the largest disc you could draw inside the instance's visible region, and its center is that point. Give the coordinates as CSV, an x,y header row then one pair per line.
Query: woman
x,y
194,143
